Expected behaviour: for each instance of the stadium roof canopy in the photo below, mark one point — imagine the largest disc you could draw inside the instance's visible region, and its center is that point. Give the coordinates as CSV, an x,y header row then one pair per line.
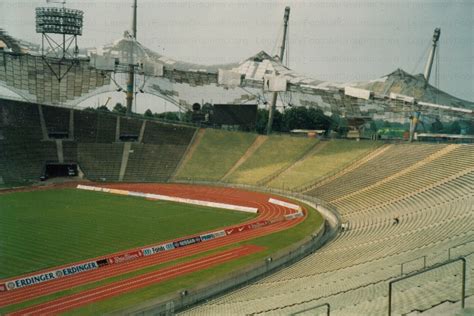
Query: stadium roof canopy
x,y
253,79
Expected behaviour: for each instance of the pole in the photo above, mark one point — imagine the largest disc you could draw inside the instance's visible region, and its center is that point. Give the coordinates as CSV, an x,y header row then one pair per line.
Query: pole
x,y
413,124
134,21
131,67
272,109
429,63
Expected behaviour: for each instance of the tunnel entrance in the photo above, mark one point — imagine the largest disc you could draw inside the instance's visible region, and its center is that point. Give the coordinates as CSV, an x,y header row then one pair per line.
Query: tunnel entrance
x,y
55,170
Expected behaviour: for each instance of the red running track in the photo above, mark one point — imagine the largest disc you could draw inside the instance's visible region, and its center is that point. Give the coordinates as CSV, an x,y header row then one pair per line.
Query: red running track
x,y
214,194
72,301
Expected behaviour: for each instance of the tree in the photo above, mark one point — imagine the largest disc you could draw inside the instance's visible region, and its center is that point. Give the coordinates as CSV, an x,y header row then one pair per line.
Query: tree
x,y
373,126
339,125
119,108
262,119
187,116
171,116
469,127
318,120
148,113
103,108
296,118
437,126
304,118
278,123
454,128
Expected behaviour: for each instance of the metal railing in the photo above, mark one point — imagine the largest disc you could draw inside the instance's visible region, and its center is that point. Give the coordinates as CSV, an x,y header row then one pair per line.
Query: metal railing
x,y
327,305
434,267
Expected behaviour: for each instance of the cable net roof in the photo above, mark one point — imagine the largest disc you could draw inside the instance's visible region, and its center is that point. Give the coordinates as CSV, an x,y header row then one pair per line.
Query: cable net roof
x,y
253,79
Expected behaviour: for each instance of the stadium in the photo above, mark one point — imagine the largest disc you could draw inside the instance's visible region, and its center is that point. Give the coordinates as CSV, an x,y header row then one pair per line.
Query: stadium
x,y
121,213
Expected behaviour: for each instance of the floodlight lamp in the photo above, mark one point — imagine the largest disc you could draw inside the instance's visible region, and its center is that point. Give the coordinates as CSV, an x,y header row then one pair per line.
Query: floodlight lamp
x,y
59,21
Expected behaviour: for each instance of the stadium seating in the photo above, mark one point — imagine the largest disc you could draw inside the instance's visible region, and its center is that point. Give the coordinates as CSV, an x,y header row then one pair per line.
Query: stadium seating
x,y
215,154
153,163
20,121
70,151
94,127
100,162
24,151
130,126
56,118
277,153
451,163
394,159
427,188
325,159
433,198
160,133
24,161
85,126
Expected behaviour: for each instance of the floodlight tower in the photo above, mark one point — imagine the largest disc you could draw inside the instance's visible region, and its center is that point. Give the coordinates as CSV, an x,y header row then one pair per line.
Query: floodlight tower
x,y
59,28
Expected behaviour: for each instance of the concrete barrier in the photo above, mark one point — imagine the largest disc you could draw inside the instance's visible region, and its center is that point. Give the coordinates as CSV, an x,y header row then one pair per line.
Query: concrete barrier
x,y
160,197
285,204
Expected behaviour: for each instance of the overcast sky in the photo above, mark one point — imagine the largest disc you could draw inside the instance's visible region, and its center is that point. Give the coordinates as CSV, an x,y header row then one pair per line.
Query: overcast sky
x,y
329,40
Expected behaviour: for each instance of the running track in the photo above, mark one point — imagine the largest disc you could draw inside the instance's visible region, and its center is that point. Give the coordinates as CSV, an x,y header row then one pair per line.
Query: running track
x,y
69,302
267,211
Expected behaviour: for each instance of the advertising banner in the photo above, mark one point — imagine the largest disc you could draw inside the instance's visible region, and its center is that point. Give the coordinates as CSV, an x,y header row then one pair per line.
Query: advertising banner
x,y
243,228
102,262
187,241
125,257
213,235
51,275
294,215
158,248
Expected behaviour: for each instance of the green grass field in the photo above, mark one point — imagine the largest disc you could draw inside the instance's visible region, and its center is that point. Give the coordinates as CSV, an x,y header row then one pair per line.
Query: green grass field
x,y
41,229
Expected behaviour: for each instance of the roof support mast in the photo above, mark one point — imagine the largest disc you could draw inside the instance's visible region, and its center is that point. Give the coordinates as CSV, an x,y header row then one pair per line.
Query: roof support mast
x,y
429,63
131,67
282,52
415,117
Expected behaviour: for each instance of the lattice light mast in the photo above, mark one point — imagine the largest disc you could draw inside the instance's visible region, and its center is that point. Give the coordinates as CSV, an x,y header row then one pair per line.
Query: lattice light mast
x,y
59,28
